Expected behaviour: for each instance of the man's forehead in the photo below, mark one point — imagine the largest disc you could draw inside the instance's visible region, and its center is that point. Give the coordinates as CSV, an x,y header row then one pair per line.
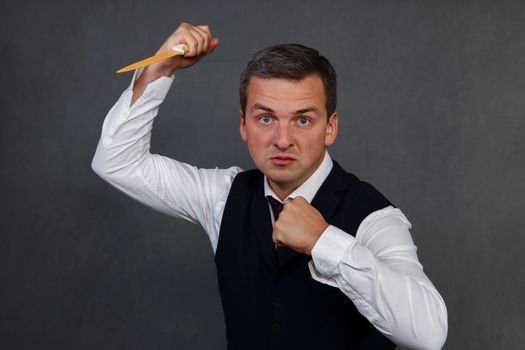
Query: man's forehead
x,y
260,79
269,94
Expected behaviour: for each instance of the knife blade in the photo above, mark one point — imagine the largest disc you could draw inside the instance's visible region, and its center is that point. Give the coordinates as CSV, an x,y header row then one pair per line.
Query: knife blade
x,y
176,50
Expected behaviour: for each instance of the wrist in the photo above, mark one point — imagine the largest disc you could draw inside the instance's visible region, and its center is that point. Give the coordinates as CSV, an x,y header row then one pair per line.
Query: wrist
x,y
149,75
157,70
321,230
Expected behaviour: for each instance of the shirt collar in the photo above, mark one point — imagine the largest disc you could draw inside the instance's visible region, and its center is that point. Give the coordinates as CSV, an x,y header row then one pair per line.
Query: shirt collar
x,y
309,188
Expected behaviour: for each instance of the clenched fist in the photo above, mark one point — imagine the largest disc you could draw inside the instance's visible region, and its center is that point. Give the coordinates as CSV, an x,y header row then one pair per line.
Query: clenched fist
x,y
201,43
299,226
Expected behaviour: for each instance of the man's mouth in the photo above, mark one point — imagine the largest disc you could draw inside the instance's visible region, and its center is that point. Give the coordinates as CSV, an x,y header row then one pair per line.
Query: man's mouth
x,y
282,160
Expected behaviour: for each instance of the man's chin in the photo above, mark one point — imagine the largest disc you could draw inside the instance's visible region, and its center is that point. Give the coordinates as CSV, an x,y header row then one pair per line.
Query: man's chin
x,y
280,177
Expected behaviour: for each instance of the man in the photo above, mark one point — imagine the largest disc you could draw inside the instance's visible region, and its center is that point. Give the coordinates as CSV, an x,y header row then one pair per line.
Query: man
x,y
335,267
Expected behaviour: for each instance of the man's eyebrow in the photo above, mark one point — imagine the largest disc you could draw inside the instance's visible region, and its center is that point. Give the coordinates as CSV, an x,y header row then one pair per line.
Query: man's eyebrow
x,y
306,110
258,106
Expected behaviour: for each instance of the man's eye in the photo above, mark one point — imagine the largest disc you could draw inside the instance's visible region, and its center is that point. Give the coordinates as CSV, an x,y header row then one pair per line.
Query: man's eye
x,y
265,119
304,121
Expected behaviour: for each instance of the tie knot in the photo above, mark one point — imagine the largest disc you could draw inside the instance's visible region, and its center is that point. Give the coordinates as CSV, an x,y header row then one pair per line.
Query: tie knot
x,y
277,206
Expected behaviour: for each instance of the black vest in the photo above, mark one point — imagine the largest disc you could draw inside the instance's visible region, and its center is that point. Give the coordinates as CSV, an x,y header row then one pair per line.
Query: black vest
x,y
271,304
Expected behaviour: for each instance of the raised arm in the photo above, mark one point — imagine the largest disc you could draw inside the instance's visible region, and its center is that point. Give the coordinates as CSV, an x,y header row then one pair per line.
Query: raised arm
x,y
123,159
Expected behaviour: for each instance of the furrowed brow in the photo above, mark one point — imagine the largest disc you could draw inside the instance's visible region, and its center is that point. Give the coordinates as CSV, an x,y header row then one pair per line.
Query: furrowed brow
x,y
258,106
306,110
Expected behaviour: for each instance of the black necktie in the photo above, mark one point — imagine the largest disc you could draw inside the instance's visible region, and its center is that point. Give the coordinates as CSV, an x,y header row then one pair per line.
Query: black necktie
x,y
277,207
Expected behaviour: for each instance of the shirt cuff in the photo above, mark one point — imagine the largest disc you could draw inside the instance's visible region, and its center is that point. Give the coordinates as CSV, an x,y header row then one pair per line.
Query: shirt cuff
x,y
151,98
156,90
330,249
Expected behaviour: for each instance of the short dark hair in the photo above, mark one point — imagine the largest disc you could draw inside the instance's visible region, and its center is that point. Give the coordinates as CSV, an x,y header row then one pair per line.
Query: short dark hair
x,y
294,62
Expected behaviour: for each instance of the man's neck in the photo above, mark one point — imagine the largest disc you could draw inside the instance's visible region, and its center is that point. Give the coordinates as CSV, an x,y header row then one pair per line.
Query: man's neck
x,y
281,192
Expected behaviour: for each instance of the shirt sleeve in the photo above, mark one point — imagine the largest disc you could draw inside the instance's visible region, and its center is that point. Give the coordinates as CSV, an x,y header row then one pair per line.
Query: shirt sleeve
x,y
177,189
380,272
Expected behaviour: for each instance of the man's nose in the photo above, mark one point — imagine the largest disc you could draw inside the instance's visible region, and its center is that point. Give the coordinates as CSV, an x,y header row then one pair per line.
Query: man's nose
x,y
283,137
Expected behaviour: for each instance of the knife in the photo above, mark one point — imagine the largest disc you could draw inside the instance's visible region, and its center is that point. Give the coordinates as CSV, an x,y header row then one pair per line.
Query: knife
x,y
176,50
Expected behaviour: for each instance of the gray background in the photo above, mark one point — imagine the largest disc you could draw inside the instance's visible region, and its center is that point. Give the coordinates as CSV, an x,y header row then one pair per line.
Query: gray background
x,y
431,111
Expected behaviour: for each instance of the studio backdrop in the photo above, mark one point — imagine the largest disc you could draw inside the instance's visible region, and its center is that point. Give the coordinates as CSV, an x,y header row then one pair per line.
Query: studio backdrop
x,y
431,111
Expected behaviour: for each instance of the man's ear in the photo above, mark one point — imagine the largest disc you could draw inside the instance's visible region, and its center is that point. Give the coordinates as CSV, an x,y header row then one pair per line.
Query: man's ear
x,y
331,129
242,126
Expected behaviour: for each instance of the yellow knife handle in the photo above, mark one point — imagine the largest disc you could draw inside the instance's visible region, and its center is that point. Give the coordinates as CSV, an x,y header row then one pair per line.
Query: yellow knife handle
x,y
182,47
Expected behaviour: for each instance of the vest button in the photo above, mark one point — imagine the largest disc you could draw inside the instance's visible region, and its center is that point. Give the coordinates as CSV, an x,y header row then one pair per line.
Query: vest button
x,y
277,302
276,327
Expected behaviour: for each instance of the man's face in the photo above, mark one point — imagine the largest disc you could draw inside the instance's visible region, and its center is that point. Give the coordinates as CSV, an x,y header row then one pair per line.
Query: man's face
x,y
286,128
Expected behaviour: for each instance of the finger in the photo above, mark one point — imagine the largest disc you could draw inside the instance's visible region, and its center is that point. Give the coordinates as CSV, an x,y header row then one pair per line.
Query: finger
x,y
300,199
289,206
201,40
192,42
213,44
298,203
278,242
185,34
275,238
206,29
206,37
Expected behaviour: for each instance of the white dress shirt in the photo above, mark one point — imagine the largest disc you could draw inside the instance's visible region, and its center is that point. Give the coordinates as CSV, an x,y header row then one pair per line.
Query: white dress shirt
x,y
378,269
